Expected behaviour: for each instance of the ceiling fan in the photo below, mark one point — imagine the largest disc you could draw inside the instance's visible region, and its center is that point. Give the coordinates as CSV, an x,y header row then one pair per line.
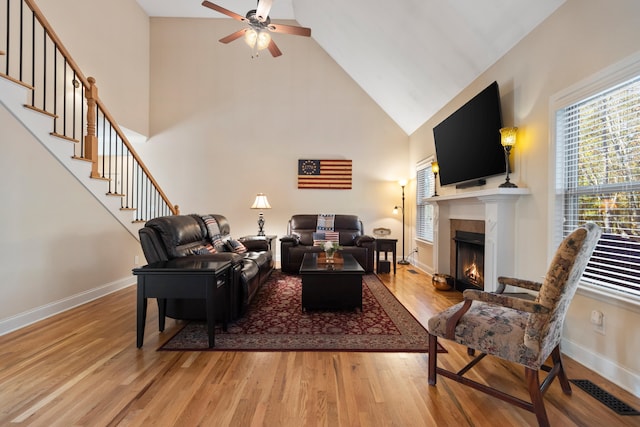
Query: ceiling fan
x,y
257,34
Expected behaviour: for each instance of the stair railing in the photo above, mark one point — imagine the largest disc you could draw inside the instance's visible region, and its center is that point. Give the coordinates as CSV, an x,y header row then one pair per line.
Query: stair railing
x,y
35,57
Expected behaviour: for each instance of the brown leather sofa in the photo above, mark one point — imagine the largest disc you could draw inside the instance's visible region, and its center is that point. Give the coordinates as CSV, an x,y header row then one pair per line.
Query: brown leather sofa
x,y
299,240
169,237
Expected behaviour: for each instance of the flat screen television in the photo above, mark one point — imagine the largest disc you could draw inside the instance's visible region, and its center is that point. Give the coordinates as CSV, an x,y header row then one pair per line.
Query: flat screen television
x,y
468,147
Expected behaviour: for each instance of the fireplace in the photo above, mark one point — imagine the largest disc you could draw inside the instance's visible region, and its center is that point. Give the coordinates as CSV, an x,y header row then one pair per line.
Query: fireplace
x,y
469,260
494,209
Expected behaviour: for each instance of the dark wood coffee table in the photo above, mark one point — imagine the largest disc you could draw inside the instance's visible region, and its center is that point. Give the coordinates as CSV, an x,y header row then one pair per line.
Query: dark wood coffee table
x,y
331,286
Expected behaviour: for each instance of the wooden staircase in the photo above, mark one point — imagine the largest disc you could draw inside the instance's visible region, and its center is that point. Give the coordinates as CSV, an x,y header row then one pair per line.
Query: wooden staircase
x,y
60,107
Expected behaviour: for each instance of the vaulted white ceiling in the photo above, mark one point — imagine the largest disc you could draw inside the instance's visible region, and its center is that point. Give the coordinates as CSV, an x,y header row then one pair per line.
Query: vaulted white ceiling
x,y
410,56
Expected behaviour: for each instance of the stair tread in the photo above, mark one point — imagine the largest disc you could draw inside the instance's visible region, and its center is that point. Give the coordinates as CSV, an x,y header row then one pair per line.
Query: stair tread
x,y
21,83
67,138
41,111
84,159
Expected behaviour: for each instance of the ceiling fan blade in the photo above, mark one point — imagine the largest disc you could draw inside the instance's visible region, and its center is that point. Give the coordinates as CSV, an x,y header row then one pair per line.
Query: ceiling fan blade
x,y
264,7
233,36
275,52
290,29
223,10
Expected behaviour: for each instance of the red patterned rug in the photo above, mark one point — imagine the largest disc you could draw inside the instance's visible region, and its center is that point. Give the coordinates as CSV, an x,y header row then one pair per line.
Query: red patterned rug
x,y
275,322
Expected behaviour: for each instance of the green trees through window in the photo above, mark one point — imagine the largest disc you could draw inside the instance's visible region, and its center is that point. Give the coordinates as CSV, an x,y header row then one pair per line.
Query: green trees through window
x,y
598,179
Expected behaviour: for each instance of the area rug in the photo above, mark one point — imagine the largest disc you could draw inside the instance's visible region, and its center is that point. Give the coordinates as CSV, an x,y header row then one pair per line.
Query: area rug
x,y
275,322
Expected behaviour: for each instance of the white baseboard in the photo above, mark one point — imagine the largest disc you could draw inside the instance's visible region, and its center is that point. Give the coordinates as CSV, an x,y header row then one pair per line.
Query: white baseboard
x,y
422,267
26,318
613,372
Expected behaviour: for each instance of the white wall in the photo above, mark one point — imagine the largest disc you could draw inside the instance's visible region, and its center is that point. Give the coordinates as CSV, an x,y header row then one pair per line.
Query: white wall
x,y
579,39
225,126
59,247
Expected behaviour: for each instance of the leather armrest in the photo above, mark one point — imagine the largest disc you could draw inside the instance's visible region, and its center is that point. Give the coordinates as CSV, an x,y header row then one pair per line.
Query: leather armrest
x,y
290,238
255,243
361,240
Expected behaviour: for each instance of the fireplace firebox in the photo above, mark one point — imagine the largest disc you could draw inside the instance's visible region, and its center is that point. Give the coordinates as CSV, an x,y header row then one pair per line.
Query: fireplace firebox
x,y
469,272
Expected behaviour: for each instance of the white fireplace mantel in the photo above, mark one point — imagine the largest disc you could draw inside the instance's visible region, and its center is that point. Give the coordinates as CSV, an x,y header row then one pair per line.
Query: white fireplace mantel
x,y
497,208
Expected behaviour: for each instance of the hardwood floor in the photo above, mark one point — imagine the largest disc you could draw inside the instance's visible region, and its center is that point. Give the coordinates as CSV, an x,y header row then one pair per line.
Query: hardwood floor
x,y
82,367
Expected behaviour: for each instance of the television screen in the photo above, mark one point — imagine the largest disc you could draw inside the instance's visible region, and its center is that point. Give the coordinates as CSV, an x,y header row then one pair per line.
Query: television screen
x,y
468,144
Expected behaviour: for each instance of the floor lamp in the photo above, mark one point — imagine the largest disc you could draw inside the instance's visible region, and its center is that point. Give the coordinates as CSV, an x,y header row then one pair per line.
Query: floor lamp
x,y
403,261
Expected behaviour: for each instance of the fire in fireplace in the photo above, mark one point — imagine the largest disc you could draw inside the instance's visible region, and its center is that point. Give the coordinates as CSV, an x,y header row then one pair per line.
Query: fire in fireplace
x,y
469,260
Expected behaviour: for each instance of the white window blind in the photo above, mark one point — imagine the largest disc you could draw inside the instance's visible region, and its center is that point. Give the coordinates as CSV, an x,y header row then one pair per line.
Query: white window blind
x,y
424,189
598,179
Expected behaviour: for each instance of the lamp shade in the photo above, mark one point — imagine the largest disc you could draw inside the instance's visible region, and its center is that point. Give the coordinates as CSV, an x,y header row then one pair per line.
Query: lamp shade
x,y
257,39
508,136
435,168
261,202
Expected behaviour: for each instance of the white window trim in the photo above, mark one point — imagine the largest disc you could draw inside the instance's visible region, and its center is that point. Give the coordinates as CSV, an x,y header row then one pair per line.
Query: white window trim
x,y
613,75
425,164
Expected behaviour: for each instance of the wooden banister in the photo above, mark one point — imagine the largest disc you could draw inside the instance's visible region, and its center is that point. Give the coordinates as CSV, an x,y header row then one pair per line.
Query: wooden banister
x,y
91,139
54,37
93,101
114,123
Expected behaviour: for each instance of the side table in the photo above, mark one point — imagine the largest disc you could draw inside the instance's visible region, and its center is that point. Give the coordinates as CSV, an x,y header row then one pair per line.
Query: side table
x,y
182,278
386,246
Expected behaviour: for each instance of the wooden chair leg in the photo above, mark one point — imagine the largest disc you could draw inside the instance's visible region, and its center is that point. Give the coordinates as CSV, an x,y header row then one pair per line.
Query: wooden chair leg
x,y
556,356
433,358
533,382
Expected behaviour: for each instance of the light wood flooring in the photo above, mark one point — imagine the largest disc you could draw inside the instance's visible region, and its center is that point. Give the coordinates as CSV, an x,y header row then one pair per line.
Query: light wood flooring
x,y
82,368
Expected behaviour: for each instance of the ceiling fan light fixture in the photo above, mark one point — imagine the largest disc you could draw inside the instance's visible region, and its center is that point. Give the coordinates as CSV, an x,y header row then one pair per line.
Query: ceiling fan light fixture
x,y
258,36
257,39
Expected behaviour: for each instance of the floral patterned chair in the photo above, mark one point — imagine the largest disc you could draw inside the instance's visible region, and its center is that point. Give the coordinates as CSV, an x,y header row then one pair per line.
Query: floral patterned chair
x,y
516,329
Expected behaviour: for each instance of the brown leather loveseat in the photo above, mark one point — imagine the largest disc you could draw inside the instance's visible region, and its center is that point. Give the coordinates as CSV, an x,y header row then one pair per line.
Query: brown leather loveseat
x,y
169,237
300,237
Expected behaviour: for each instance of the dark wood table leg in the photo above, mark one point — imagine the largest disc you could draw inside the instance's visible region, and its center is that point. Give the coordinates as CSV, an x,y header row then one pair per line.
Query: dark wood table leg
x,y
211,310
142,312
162,313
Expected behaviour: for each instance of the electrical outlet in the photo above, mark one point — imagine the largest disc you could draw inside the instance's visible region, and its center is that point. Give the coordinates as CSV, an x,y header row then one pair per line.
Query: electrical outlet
x,y
597,320
135,260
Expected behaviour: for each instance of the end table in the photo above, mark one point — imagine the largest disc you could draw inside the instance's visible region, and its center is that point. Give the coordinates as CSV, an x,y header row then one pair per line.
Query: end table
x,y
386,245
182,278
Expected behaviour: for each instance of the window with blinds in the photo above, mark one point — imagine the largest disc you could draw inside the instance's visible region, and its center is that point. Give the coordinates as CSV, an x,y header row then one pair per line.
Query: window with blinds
x,y
424,188
598,179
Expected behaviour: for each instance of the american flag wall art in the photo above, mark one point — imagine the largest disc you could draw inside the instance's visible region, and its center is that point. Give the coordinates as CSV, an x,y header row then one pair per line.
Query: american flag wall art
x,y
325,174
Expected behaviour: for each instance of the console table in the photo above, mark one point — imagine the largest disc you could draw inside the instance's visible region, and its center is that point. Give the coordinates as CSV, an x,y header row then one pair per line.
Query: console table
x,y
385,245
183,278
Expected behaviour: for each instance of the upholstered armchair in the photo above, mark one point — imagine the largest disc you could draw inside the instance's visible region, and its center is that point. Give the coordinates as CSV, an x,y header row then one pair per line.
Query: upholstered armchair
x,y
515,329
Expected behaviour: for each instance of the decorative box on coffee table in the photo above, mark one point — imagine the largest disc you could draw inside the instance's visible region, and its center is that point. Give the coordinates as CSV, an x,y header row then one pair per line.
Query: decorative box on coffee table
x,y
331,285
